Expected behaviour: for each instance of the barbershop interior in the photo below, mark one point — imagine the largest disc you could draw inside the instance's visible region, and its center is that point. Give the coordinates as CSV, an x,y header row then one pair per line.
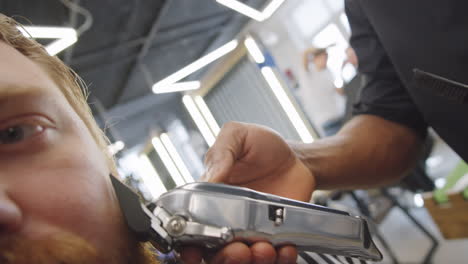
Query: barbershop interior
x,y
166,77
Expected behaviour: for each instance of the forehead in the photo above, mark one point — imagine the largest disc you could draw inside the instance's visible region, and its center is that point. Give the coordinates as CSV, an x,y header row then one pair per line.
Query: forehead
x,y
19,75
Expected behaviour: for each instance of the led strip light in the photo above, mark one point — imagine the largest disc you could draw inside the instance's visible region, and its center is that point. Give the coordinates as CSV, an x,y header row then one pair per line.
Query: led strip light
x,y
169,84
150,177
176,158
287,105
167,161
65,36
199,120
252,12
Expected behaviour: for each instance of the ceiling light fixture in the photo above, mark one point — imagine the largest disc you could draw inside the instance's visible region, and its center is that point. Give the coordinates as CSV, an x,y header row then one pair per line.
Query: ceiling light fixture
x,y
65,36
199,120
287,105
195,66
167,161
272,7
176,158
252,12
205,111
254,50
150,177
177,87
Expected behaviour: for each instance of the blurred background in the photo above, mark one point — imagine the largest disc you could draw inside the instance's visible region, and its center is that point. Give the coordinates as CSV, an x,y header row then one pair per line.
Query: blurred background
x,y
165,75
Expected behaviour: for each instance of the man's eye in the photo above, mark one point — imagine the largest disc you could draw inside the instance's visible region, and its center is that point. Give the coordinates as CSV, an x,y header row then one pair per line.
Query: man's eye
x,y
16,134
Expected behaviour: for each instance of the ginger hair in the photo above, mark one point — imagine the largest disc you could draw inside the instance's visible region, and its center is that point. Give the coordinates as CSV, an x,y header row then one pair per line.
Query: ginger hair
x,y
70,84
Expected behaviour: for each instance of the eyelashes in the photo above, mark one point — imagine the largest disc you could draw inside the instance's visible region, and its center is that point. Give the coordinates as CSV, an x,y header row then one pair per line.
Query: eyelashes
x,y
18,133
23,131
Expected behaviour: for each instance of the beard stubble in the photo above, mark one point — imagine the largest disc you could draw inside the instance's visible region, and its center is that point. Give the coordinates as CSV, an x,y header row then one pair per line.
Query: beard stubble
x,y
66,248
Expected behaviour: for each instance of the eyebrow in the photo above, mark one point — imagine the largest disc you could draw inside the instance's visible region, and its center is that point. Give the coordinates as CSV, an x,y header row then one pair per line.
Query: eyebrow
x,y
15,91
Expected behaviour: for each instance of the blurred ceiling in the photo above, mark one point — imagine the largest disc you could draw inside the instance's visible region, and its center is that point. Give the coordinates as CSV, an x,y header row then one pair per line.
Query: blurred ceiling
x,y
130,45
133,43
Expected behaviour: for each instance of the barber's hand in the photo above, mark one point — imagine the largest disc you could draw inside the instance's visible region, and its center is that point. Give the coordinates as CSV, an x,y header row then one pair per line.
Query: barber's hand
x,y
255,157
258,158
240,253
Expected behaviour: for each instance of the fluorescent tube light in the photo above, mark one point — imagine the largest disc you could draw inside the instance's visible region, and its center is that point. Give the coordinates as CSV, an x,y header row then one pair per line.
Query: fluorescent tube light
x,y
243,9
65,36
196,65
150,177
198,119
168,163
287,105
176,158
251,12
271,8
254,50
177,87
205,111
48,32
57,46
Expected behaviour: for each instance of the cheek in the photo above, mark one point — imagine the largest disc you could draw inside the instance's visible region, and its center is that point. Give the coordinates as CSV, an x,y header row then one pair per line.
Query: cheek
x,y
67,190
68,187
63,202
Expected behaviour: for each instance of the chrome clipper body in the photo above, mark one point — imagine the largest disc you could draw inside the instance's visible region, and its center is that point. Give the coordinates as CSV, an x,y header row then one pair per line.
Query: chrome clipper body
x,y
212,215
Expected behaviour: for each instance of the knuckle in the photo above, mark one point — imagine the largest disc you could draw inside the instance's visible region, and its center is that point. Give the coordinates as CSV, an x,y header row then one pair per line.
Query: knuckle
x,y
209,155
232,125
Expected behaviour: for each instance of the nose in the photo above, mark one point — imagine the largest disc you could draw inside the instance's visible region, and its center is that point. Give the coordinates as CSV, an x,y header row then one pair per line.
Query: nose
x,y
10,214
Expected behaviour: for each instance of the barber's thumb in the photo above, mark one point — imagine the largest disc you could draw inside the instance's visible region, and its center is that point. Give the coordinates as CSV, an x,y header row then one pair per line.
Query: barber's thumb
x,y
218,167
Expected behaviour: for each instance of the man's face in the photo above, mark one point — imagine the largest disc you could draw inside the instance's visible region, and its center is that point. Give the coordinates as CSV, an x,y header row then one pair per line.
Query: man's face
x,y
320,61
56,199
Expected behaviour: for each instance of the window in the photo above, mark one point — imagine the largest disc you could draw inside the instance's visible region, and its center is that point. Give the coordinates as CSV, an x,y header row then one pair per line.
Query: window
x,y
310,16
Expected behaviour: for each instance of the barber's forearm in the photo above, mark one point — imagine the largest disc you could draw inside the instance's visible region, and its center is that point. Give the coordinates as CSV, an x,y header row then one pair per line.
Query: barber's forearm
x,y
367,152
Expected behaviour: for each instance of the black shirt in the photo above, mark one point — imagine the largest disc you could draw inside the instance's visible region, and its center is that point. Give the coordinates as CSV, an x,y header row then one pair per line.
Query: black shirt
x,y
414,59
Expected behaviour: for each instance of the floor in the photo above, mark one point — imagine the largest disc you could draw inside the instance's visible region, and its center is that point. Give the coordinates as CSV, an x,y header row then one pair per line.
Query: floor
x,y
409,244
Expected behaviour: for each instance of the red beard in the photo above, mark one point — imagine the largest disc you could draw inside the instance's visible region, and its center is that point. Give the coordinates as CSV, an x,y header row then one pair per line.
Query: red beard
x,y
65,249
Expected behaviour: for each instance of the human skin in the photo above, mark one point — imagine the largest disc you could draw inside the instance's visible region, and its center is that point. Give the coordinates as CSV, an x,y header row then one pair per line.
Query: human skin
x,y
351,56
320,61
54,179
369,151
255,165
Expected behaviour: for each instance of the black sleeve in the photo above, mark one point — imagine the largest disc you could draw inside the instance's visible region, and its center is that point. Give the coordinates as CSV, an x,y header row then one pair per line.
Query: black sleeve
x,y
383,94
